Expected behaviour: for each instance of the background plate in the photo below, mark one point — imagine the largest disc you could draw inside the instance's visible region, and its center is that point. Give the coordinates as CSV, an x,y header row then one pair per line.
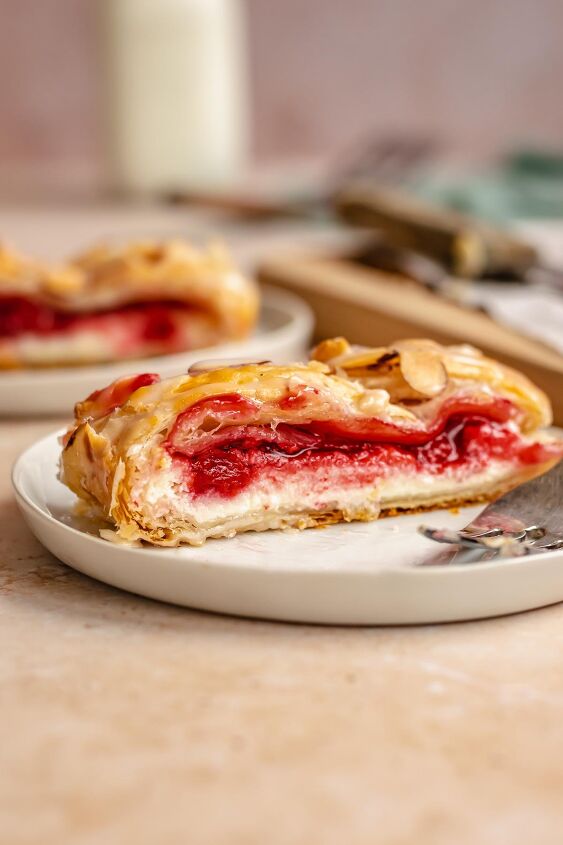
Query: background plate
x,y
354,574
283,334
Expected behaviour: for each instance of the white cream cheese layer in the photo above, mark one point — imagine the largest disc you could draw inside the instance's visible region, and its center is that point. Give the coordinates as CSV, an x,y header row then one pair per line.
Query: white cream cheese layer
x,y
113,340
163,500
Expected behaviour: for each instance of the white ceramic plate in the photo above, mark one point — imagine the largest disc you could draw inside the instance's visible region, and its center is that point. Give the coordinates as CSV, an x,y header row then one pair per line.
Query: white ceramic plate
x,y
283,333
359,574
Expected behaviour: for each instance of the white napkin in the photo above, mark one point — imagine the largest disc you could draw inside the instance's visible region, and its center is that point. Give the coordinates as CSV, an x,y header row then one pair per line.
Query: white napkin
x,y
534,311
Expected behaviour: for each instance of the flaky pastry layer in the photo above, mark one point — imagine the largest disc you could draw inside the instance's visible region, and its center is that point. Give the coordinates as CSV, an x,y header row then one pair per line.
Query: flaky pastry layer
x,y
117,455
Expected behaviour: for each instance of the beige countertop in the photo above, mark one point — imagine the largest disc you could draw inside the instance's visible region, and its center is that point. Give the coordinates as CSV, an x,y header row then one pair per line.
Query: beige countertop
x,y
127,721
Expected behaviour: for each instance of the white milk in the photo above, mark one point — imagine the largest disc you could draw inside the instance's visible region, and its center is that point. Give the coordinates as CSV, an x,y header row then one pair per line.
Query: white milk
x,y
177,92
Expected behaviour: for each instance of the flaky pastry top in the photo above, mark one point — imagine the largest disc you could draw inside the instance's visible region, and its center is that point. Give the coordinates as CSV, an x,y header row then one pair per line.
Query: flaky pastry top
x,y
106,277
416,370
405,383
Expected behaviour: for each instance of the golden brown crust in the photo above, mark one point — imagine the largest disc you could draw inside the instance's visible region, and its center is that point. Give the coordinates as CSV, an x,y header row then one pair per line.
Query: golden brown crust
x,y
404,385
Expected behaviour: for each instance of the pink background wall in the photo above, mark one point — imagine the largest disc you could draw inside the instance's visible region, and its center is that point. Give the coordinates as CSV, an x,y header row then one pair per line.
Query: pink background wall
x,y
479,74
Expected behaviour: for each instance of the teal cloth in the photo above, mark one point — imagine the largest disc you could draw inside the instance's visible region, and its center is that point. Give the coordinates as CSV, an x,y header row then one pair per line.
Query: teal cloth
x,y
527,184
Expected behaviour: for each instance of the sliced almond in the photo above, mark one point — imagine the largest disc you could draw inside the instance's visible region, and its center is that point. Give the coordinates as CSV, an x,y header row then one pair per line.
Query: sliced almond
x,y
208,366
368,359
334,347
422,366
339,353
464,349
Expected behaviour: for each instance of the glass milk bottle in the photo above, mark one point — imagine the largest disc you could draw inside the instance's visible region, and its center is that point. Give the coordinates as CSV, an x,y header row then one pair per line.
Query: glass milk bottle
x,y
177,92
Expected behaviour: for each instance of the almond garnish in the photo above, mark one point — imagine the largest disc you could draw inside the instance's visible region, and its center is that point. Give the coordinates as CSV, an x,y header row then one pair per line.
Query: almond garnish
x,y
211,364
422,366
334,347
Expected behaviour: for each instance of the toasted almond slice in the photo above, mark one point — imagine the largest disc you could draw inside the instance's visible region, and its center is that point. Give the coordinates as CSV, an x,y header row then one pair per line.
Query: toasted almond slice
x,y
465,349
368,359
211,364
333,347
422,366
339,353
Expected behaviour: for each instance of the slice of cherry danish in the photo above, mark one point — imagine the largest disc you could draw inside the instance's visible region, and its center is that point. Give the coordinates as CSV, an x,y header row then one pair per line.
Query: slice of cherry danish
x,y
111,304
354,433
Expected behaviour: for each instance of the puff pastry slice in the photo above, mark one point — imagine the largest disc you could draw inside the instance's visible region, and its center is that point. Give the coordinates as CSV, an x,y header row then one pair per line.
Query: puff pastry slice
x,y
354,433
111,304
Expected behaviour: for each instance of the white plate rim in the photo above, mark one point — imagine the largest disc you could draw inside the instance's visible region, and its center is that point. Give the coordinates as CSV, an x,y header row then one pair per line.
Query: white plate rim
x,y
451,570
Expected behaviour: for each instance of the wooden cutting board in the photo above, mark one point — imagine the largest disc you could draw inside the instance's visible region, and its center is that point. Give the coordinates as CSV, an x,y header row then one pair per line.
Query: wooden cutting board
x,y
375,308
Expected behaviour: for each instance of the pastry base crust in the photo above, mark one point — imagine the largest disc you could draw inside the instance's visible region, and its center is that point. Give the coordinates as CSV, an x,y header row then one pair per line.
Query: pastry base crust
x,y
480,495
368,511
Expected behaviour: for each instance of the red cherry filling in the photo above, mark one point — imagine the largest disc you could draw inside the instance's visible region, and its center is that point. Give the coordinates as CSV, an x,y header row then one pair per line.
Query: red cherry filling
x,y
224,461
102,402
148,321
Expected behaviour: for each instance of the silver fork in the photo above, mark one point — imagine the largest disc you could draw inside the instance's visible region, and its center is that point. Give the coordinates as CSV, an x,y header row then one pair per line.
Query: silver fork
x,y
526,520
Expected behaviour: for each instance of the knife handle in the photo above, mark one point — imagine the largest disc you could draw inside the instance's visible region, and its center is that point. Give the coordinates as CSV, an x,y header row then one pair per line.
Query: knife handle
x,y
464,246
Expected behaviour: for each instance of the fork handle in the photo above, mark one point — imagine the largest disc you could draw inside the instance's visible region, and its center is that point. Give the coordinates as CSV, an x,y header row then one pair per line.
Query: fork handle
x,y
466,247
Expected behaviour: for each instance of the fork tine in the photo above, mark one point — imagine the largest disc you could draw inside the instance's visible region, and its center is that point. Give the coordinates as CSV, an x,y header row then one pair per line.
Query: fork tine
x,y
476,534
548,545
440,535
505,543
535,532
